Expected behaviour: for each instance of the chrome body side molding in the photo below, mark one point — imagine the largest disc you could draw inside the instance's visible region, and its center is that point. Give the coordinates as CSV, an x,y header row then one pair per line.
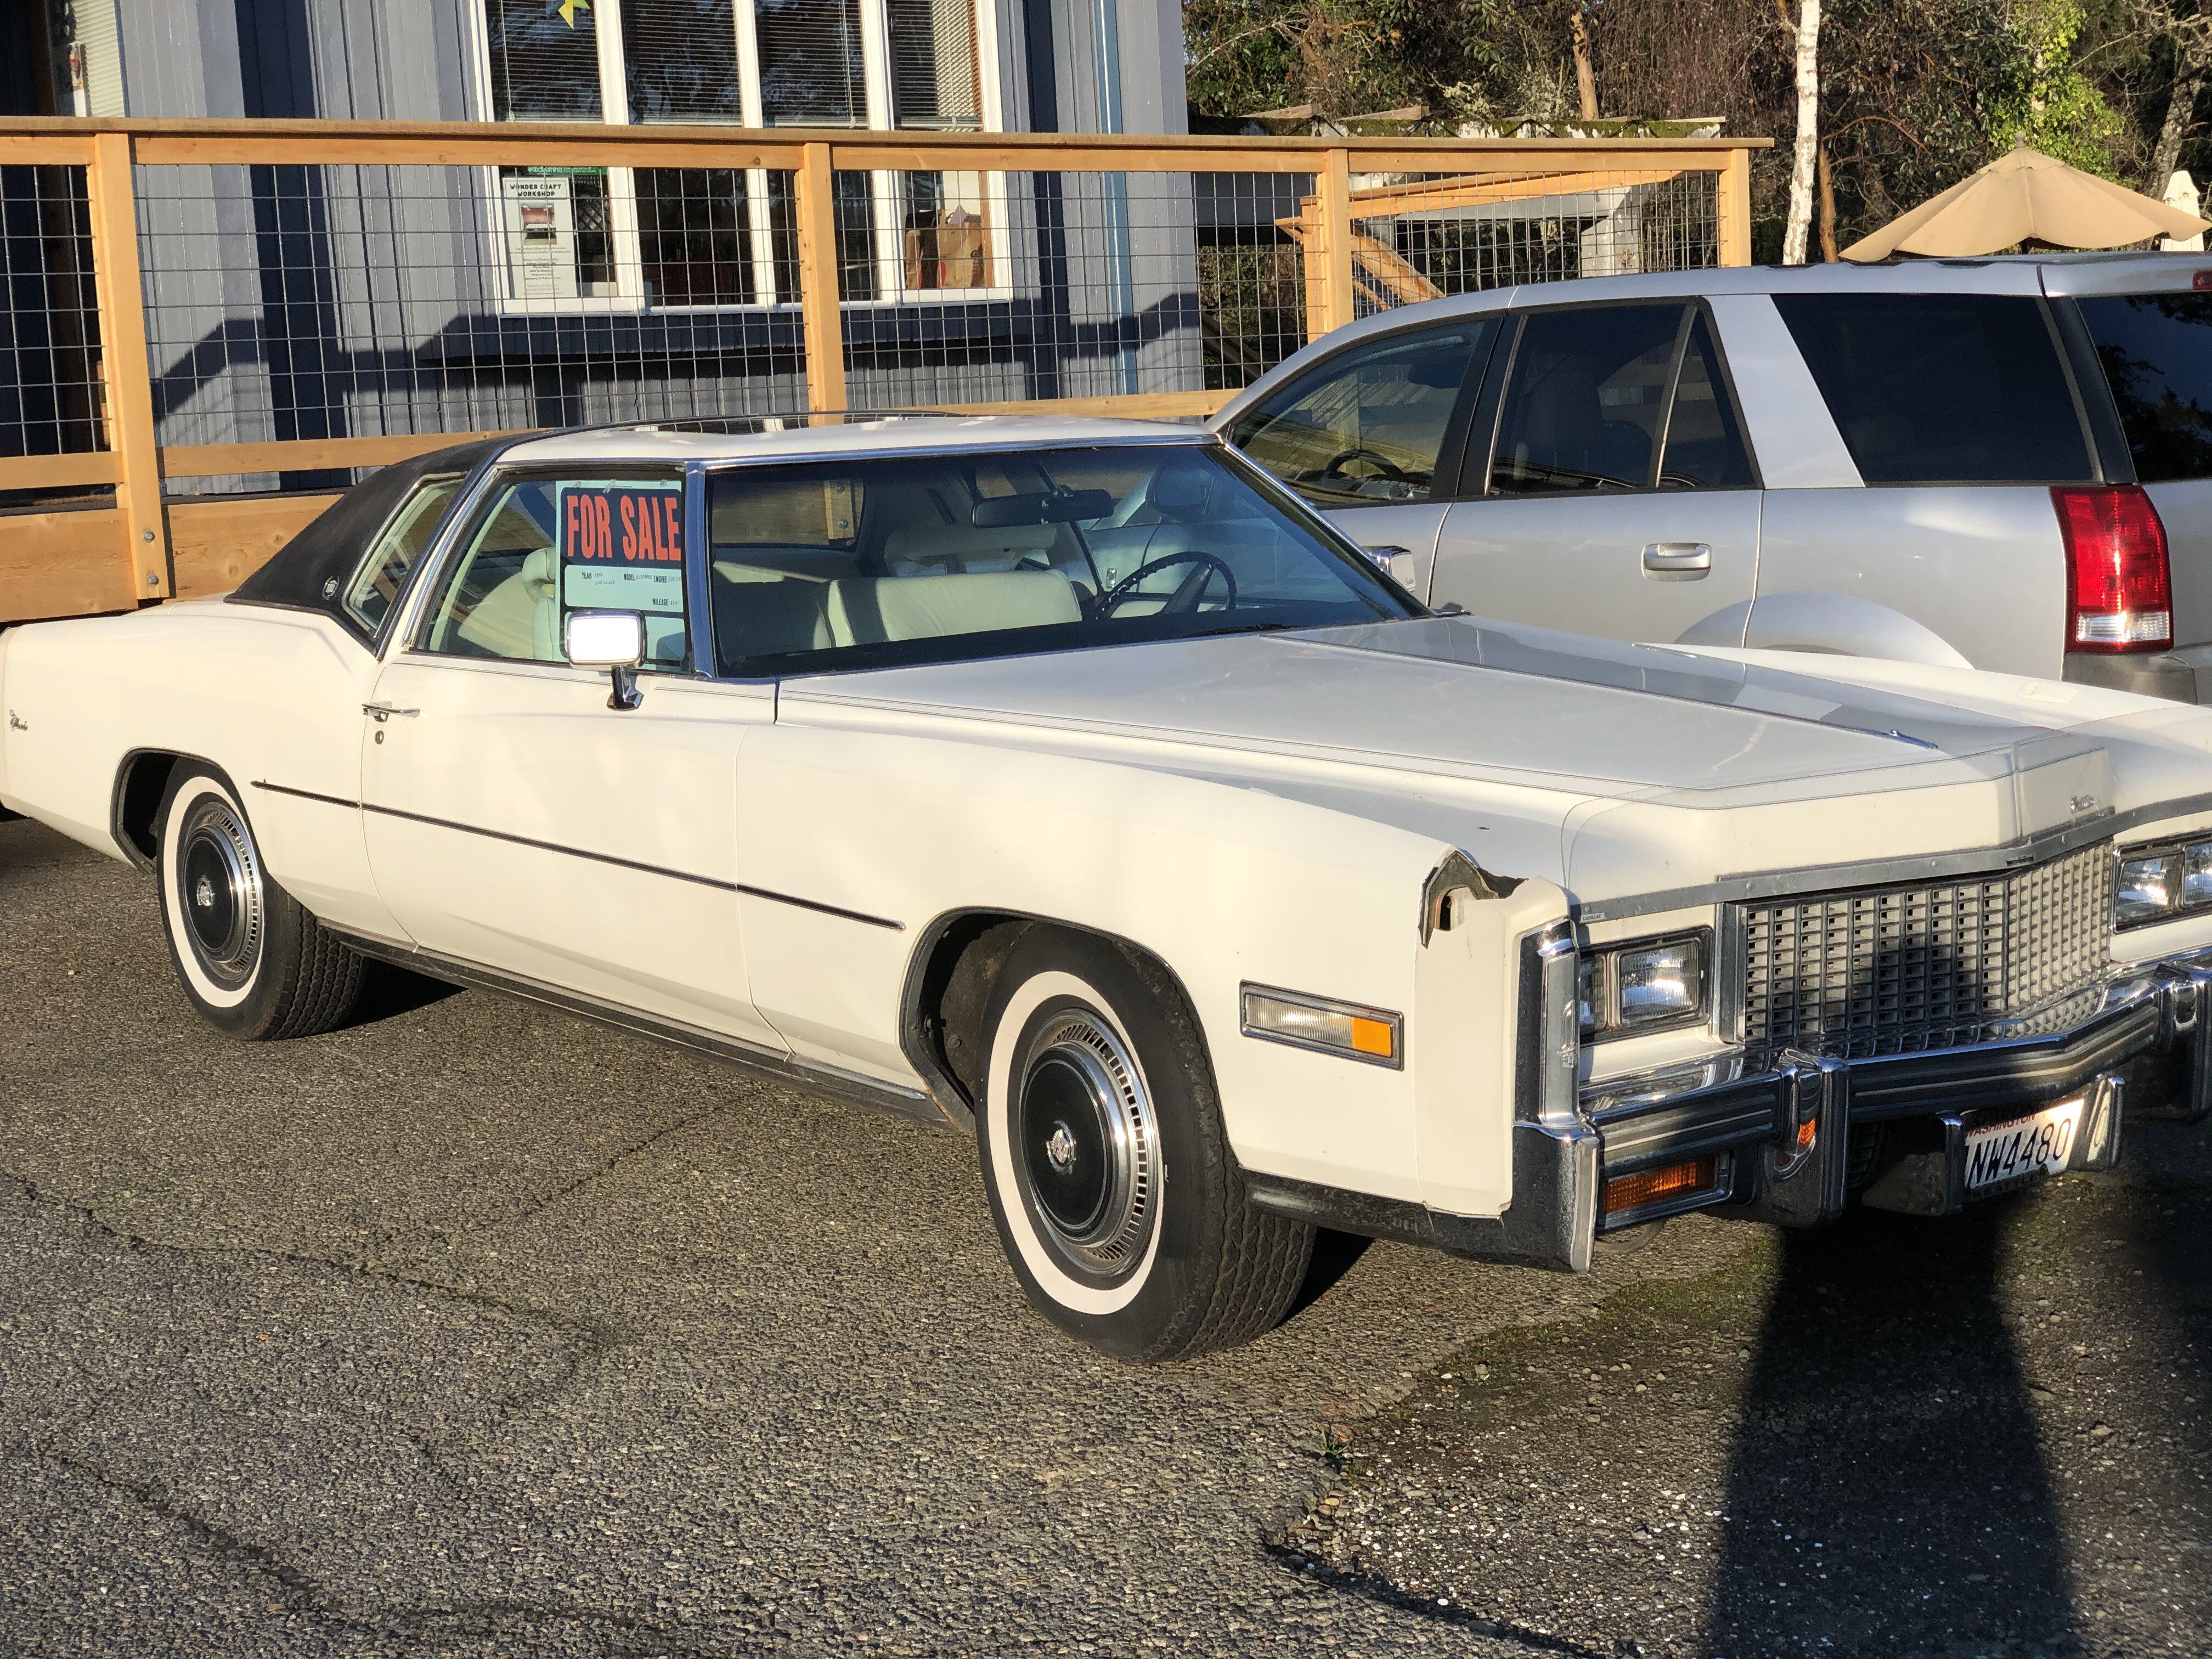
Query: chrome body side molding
x,y
764,1063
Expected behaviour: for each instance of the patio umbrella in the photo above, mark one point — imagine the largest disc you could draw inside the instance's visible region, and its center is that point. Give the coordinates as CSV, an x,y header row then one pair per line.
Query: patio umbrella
x,y
2023,197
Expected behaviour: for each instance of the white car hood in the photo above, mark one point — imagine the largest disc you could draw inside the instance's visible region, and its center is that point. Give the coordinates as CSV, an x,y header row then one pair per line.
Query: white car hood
x,y
1614,768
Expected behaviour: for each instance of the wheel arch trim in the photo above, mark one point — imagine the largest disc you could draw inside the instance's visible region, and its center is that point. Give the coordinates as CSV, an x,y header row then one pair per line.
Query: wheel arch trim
x,y
126,797
929,949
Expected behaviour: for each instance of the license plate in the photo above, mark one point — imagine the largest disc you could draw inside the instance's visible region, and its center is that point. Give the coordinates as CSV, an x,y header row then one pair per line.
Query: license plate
x,y
2021,1148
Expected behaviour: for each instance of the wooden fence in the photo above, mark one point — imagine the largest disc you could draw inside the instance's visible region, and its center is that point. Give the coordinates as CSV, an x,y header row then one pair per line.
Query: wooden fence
x,y
106,502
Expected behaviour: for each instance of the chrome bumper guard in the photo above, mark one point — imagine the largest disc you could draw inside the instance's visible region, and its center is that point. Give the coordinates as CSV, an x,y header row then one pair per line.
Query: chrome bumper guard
x,y
2143,1043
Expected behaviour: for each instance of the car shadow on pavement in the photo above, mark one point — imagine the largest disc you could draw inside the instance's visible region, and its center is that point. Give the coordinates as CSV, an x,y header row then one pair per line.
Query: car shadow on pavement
x,y
1888,1491
388,992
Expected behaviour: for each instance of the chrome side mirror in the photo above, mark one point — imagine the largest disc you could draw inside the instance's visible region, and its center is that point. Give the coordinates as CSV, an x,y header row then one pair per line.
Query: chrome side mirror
x,y
612,640
1398,564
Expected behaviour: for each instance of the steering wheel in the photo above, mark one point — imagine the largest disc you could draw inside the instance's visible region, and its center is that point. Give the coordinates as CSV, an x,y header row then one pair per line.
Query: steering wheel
x,y
1187,591
1343,458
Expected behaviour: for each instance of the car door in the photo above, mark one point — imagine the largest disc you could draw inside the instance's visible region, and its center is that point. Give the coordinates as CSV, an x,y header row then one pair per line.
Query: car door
x,y
1371,435
1609,488
518,821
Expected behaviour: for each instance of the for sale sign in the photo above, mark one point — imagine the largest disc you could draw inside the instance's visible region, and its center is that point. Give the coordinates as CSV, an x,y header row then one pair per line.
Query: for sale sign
x,y
622,546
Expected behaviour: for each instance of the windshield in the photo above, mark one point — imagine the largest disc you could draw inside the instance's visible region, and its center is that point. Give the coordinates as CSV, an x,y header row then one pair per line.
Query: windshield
x,y
937,558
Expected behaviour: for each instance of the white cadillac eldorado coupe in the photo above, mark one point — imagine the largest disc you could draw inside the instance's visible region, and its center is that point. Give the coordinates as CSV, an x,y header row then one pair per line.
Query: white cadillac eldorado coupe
x,y
1069,782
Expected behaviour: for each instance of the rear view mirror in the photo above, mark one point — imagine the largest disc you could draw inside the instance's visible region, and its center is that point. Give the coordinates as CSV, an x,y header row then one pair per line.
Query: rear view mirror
x,y
1041,507
612,640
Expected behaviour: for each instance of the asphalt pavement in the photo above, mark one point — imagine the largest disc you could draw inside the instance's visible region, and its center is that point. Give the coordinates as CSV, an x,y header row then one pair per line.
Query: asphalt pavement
x,y
474,1329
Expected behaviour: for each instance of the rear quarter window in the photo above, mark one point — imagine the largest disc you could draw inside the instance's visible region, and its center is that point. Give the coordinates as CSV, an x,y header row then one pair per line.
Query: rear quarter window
x,y
1942,388
2156,352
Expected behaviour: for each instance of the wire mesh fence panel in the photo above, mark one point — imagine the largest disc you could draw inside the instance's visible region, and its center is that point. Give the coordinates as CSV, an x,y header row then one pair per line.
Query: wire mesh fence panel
x,y
1418,237
51,392
335,302
996,286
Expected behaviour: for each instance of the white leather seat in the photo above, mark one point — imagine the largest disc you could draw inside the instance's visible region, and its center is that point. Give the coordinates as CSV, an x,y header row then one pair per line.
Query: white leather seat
x,y
520,618
878,612
967,548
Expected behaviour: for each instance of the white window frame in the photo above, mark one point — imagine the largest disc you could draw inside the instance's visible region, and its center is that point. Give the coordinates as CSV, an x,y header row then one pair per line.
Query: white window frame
x,y
888,234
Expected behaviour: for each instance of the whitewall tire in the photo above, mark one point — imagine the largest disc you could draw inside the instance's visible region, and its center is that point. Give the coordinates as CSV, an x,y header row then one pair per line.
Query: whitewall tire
x,y
1107,1170
252,960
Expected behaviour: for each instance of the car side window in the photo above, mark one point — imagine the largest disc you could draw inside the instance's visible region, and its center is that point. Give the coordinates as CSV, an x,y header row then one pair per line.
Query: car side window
x,y
1704,444
376,586
1942,388
1365,427
547,546
1585,404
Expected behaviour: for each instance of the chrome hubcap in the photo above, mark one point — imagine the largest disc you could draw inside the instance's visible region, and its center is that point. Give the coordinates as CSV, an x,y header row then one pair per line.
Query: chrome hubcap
x,y
219,879
1088,1143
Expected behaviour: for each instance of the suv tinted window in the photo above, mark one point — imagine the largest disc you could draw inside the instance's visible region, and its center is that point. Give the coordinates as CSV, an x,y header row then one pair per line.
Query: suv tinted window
x,y
1705,445
1942,388
2157,353
1365,425
1586,405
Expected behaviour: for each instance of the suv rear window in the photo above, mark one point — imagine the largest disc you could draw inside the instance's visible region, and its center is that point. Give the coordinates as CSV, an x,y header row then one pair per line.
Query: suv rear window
x,y
2157,353
1942,388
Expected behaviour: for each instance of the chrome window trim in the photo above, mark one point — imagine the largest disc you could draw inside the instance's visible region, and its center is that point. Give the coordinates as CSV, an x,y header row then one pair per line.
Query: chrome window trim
x,y
495,475
352,617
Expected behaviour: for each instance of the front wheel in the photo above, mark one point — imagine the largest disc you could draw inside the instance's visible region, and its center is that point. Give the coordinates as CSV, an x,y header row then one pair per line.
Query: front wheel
x,y
1109,1171
253,961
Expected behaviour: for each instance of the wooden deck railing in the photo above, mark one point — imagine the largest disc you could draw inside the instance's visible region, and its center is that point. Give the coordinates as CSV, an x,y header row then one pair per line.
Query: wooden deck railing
x,y
1085,266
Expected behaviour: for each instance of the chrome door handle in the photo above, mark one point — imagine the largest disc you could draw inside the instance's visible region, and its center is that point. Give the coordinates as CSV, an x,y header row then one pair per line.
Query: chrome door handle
x,y
1677,562
384,711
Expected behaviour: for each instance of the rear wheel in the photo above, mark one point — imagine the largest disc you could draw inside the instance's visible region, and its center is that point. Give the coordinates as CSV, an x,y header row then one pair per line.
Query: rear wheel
x,y
253,961
1109,1171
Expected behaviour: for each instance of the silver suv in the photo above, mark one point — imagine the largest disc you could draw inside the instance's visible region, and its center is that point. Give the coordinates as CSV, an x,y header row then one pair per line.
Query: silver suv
x,y
2002,463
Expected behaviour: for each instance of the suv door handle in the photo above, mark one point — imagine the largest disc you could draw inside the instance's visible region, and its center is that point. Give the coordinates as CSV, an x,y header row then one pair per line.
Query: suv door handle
x,y
1678,562
384,711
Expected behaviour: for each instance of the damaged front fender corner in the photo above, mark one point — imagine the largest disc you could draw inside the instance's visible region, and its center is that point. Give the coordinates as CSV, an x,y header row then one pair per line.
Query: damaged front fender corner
x,y
1456,872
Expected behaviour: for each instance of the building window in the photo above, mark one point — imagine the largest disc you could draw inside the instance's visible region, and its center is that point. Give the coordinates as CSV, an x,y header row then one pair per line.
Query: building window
x,y
668,237
544,66
813,65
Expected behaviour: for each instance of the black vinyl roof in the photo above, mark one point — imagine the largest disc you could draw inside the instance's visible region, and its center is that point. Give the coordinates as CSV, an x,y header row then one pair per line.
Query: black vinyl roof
x,y
311,571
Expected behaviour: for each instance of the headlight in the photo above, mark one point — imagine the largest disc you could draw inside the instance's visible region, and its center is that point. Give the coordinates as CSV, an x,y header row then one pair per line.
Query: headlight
x,y
1628,988
2160,884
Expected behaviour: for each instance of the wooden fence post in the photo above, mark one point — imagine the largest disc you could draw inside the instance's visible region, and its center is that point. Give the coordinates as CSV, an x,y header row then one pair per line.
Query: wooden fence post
x,y
129,385
1732,192
1335,288
822,323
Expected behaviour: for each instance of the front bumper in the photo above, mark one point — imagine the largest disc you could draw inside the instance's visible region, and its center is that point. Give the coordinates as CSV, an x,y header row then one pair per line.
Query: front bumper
x,y
1790,1139
1893,1125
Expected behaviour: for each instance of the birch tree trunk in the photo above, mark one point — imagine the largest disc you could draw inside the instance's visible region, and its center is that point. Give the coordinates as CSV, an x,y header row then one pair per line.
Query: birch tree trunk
x,y
1585,71
1808,31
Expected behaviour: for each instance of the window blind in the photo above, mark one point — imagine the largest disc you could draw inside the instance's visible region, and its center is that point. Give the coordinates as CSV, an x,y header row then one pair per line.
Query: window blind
x,y
681,60
812,68
934,80
544,59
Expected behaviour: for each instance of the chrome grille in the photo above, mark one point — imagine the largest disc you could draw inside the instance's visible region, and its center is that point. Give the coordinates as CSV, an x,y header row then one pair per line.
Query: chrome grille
x,y
1883,971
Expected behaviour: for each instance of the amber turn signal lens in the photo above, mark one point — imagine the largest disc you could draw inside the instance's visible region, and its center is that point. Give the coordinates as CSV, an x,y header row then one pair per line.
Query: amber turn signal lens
x,y
1373,1037
1805,1132
1656,1186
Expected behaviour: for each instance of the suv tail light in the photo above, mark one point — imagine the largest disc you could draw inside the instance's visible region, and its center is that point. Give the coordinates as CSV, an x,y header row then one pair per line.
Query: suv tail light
x,y
2119,589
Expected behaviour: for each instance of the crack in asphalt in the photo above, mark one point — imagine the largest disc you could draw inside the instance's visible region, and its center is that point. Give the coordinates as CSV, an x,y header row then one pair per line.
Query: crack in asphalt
x,y
1310,1570
303,1593
598,1339
531,1208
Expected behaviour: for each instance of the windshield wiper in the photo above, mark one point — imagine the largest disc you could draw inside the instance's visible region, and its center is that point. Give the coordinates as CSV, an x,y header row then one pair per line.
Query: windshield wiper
x,y
1241,628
